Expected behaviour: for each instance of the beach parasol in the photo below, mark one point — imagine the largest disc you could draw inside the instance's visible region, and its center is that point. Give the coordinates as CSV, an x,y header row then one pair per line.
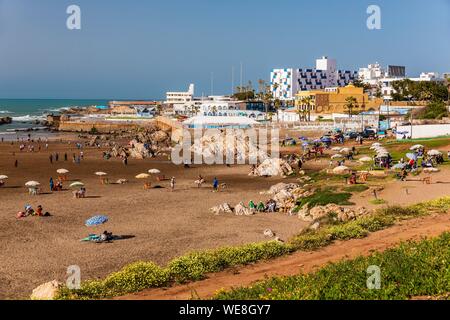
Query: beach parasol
x,y
337,156
434,153
411,156
100,174
376,144
416,147
345,150
154,171
399,166
77,184
336,149
3,177
142,176
326,139
96,221
430,170
341,169
62,171
32,184
366,159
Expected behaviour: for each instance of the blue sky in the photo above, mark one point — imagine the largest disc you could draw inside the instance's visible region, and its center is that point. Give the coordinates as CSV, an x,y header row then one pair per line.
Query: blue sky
x,y
143,48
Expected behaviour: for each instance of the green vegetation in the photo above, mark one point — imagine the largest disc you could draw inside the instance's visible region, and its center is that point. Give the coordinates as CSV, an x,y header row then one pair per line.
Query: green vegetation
x,y
197,265
378,201
407,90
357,188
434,110
411,269
322,197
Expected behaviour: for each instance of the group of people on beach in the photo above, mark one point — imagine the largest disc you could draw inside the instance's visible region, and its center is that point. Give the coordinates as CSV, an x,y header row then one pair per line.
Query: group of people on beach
x,y
29,211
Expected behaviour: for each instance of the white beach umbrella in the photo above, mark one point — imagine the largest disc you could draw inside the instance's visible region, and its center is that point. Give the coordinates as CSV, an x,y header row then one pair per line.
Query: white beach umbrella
x,y
77,184
431,170
366,159
376,144
416,147
345,150
336,149
341,169
143,176
32,184
337,156
434,153
3,177
154,171
100,174
62,171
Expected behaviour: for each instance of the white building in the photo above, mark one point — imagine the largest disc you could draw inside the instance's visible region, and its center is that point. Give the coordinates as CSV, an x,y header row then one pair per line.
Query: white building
x,y
286,83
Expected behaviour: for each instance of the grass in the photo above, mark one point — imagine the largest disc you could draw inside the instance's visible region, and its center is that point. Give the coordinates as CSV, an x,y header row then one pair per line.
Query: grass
x,y
378,201
411,269
323,197
196,265
356,188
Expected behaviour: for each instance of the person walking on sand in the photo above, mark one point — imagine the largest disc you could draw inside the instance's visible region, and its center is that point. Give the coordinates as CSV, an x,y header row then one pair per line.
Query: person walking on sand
x,y
65,156
52,184
51,158
16,163
172,184
215,185
56,157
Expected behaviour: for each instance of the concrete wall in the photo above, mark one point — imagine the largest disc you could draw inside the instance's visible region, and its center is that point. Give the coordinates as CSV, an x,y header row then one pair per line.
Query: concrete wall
x,y
101,127
423,131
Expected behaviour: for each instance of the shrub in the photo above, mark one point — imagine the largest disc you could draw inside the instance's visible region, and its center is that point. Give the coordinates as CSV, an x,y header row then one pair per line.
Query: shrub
x,y
196,265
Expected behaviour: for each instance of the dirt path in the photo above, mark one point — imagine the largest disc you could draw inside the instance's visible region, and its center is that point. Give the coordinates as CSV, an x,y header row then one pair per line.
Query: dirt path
x,y
303,261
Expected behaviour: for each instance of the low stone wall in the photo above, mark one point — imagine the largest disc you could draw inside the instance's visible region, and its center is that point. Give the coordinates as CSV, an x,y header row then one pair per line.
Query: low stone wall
x,y
100,127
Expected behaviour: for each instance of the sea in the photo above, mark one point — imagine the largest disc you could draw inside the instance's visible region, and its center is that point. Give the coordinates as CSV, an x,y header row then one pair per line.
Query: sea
x,y
24,112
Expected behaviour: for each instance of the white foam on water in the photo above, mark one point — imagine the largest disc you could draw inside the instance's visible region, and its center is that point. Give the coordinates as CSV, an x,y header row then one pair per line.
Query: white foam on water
x,y
5,112
27,118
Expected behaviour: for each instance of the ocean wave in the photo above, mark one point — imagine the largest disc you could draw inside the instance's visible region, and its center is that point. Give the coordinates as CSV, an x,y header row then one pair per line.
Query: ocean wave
x,y
5,112
27,118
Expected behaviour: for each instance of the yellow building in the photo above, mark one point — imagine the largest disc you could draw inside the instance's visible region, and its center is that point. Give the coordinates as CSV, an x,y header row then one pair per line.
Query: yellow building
x,y
333,100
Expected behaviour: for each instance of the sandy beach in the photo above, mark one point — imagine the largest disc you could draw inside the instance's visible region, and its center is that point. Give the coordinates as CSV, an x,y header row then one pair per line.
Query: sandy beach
x,y
163,224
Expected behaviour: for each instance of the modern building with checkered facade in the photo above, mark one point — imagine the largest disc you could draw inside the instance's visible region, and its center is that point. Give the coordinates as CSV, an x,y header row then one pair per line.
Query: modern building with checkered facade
x,y
286,83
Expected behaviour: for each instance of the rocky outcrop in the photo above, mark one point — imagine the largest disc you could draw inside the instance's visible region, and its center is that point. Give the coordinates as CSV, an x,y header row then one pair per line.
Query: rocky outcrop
x,y
46,291
5,120
338,213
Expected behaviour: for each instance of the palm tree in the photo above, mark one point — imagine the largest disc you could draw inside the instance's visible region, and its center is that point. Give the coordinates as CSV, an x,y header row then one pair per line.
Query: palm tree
x,y
350,104
307,102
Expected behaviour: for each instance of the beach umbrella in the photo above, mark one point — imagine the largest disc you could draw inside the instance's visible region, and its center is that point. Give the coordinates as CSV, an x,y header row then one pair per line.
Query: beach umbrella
x,y
411,156
366,159
96,221
416,147
430,170
3,177
345,150
143,176
376,144
305,144
341,169
62,171
337,156
434,153
154,171
326,139
77,184
100,174
399,166
303,138
32,184
336,149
